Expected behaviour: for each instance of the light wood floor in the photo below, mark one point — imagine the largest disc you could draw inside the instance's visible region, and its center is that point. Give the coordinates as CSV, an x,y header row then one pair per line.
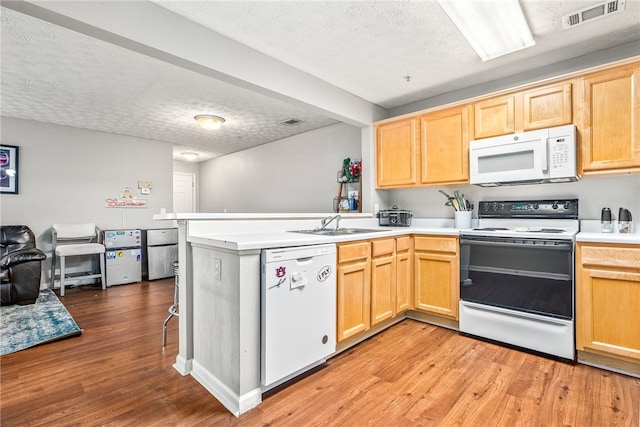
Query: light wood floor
x,y
117,374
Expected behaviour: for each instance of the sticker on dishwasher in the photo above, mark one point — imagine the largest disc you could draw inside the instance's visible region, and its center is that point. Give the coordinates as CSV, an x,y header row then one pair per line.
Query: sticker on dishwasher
x,y
324,273
281,271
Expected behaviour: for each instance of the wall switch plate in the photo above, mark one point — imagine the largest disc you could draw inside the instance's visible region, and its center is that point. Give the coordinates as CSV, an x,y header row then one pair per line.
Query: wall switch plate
x,y
217,269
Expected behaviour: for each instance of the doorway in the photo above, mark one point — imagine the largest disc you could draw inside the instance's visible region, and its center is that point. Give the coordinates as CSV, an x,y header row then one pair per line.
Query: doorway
x,y
184,192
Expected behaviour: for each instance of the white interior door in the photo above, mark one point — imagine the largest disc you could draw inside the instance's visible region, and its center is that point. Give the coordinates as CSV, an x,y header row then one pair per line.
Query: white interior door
x,y
184,197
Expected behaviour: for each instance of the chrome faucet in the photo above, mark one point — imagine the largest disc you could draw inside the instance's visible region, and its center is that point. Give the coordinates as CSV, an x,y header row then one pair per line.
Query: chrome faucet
x,y
326,221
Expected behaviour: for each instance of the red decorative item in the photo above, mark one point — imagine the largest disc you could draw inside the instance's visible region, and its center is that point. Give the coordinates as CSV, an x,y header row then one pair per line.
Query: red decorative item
x,y
355,168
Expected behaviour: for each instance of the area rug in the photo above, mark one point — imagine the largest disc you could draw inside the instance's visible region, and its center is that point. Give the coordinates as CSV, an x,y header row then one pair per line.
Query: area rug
x,y
24,326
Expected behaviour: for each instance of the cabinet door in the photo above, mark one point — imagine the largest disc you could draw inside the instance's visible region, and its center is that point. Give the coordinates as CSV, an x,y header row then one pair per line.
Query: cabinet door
x,y
547,107
609,312
444,146
437,283
403,280
608,299
397,154
495,116
610,125
383,288
354,280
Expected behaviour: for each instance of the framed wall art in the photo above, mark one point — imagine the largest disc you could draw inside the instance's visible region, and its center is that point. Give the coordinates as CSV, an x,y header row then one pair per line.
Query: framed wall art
x,y
8,169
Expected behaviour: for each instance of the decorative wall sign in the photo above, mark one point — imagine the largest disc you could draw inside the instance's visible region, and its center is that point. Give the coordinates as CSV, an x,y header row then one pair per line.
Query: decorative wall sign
x,y
8,169
127,199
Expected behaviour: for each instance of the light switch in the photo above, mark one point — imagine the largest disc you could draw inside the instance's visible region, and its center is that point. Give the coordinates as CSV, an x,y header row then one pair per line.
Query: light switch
x,y
217,269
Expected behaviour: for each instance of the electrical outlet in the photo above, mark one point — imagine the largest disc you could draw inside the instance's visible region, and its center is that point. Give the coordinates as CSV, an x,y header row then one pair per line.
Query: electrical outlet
x,y
217,269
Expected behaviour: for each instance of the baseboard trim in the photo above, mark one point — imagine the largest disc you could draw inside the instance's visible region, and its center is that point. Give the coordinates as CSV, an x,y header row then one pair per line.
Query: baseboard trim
x,y
236,404
182,365
609,363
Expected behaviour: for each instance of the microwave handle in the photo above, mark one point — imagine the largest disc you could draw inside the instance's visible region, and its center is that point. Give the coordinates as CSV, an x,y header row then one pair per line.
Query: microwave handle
x,y
544,154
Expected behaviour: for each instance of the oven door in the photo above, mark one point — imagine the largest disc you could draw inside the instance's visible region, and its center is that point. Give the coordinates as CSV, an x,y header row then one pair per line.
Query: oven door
x,y
519,292
528,275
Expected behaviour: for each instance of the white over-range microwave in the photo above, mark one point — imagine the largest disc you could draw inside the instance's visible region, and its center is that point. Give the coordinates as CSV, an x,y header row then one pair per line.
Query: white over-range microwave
x,y
534,157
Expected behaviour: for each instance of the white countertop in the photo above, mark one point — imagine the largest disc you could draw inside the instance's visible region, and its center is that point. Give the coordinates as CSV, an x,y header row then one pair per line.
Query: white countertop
x,y
590,231
251,231
278,232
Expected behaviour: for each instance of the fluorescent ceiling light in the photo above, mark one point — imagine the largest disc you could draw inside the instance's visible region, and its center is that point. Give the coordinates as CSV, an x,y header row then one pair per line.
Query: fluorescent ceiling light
x,y
492,28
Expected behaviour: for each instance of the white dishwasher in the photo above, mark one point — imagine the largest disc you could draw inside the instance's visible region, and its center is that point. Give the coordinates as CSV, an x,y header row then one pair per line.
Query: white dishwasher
x,y
298,303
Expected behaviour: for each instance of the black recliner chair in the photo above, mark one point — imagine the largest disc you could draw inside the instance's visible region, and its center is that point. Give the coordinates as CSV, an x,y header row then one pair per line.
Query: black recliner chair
x,y
20,265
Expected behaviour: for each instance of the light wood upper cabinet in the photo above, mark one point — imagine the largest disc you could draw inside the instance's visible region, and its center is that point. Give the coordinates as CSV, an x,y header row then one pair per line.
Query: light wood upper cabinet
x,y
495,116
444,146
610,121
397,153
547,107
608,300
353,289
437,275
536,108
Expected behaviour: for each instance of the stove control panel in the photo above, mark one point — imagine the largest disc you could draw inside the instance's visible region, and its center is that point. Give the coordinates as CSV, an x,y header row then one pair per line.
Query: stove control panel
x,y
559,208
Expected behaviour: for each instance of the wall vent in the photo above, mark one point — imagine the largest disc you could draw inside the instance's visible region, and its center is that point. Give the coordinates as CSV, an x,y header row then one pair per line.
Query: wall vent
x,y
587,14
289,122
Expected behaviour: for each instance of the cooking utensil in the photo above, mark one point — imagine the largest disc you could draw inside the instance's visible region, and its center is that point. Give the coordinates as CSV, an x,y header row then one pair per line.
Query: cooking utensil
x,y
462,205
445,194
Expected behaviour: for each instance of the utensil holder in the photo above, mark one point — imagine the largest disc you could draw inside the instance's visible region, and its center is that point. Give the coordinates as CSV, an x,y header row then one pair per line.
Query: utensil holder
x,y
462,219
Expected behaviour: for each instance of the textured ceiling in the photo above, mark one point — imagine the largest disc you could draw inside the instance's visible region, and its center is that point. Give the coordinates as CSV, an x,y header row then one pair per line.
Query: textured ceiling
x,y
57,75
368,47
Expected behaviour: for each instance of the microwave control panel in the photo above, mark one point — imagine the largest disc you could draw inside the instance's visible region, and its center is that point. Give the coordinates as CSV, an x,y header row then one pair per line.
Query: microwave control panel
x,y
562,157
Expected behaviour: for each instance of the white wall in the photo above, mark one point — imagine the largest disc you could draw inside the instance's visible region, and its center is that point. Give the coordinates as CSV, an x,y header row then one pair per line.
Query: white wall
x,y
65,175
296,174
593,193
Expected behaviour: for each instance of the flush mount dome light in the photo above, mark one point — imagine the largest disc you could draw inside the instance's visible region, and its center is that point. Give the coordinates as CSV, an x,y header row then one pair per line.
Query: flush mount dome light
x,y
189,155
209,122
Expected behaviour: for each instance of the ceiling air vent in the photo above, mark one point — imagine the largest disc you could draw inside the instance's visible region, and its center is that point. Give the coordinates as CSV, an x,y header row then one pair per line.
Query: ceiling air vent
x,y
290,122
599,10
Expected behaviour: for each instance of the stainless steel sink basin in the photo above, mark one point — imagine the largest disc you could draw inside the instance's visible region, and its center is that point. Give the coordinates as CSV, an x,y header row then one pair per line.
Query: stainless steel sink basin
x,y
338,232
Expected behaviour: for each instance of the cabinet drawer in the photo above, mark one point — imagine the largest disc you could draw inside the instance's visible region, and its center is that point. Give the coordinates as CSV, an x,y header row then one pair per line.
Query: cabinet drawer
x,y
625,256
383,247
403,244
353,251
437,244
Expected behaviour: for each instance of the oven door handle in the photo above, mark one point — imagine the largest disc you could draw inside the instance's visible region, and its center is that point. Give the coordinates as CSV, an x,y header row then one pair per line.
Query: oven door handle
x,y
561,246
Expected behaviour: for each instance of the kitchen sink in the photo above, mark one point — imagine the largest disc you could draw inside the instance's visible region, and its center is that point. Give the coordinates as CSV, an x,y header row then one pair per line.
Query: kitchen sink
x,y
337,232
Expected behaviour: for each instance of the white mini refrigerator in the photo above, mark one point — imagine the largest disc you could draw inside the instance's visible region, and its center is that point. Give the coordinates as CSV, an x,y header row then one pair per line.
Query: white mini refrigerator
x,y
123,256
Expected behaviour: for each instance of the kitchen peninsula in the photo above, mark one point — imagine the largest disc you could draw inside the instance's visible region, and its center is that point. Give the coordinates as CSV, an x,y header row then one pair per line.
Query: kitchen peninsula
x,y
219,280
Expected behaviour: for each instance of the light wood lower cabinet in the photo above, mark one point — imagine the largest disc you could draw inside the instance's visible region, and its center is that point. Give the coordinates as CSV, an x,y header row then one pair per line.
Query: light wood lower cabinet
x,y
404,274
374,283
354,284
383,280
437,275
608,299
